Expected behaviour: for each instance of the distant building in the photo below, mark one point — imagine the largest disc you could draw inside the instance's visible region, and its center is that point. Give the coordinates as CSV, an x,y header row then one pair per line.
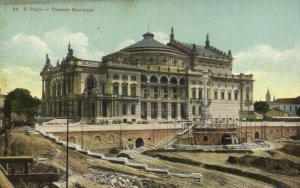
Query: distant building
x,y
268,96
288,105
276,112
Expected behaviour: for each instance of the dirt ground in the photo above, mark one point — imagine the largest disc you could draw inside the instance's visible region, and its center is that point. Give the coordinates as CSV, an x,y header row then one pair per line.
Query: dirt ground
x,y
88,172
84,170
281,166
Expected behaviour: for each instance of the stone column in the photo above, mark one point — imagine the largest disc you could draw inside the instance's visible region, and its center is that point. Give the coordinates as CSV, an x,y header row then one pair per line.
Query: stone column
x,y
97,109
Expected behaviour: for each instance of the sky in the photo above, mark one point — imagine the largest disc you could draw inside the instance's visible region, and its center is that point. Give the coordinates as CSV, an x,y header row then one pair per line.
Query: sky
x,y
263,35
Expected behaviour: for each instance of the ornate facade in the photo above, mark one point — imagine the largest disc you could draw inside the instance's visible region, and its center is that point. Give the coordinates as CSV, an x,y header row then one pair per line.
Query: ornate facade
x,y
148,81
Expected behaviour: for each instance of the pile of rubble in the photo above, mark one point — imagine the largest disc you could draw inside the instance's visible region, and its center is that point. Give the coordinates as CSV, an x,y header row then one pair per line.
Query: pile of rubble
x,y
121,180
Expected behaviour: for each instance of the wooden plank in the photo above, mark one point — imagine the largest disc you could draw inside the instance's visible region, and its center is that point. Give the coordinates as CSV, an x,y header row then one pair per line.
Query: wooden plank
x,y
38,177
4,182
16,159
2,169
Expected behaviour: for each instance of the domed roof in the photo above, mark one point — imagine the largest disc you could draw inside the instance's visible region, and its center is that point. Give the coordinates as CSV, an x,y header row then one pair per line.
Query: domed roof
x,y
147,42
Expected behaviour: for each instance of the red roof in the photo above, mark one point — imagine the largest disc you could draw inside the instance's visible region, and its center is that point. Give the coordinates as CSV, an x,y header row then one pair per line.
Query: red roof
x,y
288,100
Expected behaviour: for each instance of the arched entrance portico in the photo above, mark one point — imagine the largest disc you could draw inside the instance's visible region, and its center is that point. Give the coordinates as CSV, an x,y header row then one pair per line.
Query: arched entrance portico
x,y
139,142
226,139
256,135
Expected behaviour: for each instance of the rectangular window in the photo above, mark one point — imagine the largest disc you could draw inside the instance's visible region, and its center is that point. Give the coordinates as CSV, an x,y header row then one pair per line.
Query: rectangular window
x,y
155,92
215,95
153,110
144,91
200,94
194,94
173,110
144,110
103,88
124,90
247,97
133,91
164,110
229,96
124,109
222,95
174,92
236,96
290,108
165,92
194,110
133,109
116,90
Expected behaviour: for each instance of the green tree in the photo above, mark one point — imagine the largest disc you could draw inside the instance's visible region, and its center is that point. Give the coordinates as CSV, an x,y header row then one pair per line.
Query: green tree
x,y
261,107
20,102
298,111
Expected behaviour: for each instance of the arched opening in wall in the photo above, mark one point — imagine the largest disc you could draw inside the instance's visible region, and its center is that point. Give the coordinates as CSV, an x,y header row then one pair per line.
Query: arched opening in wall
x,y
226,139
111,139
205,138
257,135
97,139
90,85
139,142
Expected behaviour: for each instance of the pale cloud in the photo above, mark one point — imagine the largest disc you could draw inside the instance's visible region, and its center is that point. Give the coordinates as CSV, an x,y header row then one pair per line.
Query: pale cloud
x,y
161,37
59,39
271,68
25,56
125,43
27,46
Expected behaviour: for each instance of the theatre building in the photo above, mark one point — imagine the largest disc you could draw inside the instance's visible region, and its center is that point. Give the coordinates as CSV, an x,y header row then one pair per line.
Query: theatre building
x,y
147,81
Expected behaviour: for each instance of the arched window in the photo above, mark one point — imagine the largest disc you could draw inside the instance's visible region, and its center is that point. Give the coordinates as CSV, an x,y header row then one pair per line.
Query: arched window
x,y
154,89
116,88
90,85
164,87
125,89
205,138
173,83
